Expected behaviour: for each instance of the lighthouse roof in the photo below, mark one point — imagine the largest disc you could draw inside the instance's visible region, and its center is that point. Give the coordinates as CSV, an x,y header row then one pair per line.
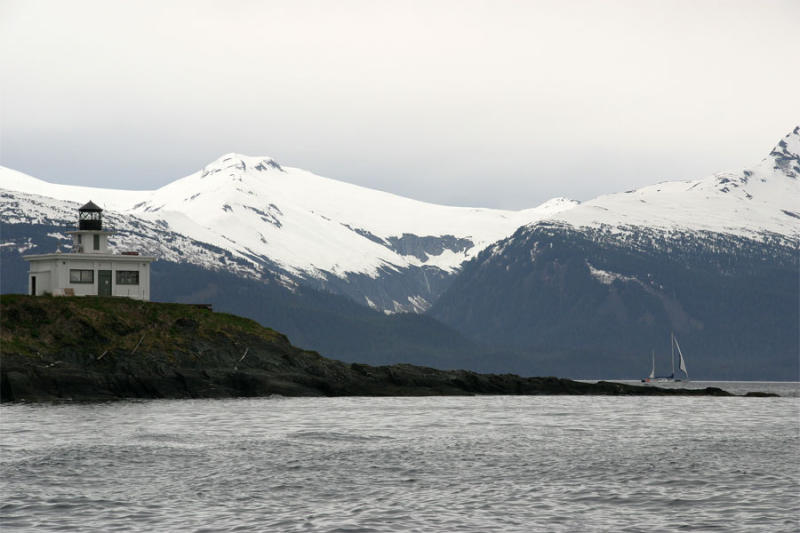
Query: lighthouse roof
x,y
90,206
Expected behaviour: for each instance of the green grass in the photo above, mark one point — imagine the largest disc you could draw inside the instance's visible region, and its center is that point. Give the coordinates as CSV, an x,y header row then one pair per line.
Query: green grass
x,y
34,324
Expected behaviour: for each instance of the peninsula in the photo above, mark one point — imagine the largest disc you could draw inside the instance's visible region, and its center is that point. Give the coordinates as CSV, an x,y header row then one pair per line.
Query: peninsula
x,y
102,348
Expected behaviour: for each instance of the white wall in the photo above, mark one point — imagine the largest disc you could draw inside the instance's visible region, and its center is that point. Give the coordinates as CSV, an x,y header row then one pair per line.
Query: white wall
x,y
86,245
140,291
43,279
52,275
81,289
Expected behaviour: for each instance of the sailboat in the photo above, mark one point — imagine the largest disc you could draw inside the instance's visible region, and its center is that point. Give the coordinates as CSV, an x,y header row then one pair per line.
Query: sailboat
x,y
652,378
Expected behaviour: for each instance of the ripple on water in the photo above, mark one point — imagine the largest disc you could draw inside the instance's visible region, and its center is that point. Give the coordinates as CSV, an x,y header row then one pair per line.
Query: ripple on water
x,y
410,464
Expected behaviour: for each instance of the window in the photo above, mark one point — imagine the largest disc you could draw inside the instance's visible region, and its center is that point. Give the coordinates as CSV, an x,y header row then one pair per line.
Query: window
x,y
97,242
127,277
81,276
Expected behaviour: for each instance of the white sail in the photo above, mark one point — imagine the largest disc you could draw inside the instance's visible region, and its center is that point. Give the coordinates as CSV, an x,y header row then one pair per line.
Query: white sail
x,y
672,358
682,364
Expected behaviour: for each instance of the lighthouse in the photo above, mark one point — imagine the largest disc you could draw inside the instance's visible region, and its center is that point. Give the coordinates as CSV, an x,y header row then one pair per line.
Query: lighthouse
x,y
90,236
90,268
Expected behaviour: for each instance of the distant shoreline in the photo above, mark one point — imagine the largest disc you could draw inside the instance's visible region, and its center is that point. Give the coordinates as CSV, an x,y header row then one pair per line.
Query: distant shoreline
x,y
100,349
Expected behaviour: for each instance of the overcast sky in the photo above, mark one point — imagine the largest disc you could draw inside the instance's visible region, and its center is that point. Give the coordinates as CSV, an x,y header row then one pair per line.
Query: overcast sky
x,y
496,104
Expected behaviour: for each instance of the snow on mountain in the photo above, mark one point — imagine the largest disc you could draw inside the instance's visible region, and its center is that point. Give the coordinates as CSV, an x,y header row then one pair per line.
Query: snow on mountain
x,y
130,232
307,225
749,203
596,287
311,224
111,199
257,218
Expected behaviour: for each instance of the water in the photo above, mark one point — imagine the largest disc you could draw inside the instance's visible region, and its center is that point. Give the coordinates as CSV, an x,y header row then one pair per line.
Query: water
x,y
552,463
782,388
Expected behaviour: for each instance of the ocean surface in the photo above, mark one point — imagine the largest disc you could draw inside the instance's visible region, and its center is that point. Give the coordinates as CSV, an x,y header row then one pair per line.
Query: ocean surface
x,y
546,463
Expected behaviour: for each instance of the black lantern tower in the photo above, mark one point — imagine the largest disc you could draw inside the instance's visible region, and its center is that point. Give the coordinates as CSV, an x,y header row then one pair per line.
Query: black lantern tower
x,y
90,217
90,237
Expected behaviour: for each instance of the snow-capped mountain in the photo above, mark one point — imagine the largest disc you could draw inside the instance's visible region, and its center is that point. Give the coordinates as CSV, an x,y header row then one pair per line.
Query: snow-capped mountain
x,y
254,217
764,199
581,290
714,260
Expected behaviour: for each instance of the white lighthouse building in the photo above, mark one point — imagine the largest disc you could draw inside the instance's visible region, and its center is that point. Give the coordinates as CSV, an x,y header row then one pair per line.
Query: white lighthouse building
x,y
90,269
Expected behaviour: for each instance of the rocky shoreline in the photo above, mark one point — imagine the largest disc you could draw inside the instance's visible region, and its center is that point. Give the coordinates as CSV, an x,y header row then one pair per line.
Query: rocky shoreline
x,y
99,349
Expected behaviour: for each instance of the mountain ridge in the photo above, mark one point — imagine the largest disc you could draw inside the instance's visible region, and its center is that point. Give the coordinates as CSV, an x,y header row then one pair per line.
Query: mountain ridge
x,y
748,202
602,290
582,291
290,224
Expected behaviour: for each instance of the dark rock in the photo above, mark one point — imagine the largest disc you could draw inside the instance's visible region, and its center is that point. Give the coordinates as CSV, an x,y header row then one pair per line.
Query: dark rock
x,y
762,394
186,324
179,351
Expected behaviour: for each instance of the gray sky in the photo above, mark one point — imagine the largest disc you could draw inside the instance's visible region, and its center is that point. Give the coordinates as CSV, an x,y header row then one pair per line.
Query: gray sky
x,y
496,103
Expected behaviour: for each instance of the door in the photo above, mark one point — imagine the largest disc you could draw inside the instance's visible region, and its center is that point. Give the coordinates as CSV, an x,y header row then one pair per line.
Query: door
x,y
33,285
104,283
